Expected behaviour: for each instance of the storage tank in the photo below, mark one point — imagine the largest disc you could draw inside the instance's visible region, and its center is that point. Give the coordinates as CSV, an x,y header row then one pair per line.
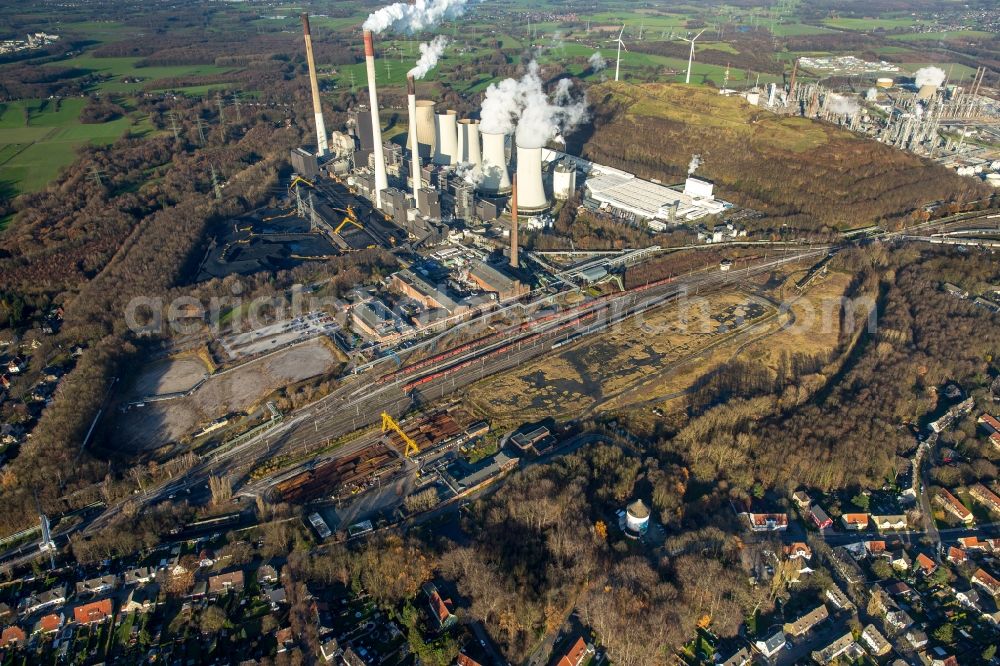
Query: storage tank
x,y
496,177
530,189
563,180
883,82
637,517
446,150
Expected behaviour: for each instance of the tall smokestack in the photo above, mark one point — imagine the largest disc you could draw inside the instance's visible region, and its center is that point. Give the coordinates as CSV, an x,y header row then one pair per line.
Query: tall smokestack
x,y
496,178
322,148
411,106
529,173
381,181
513,223
446,151
791,83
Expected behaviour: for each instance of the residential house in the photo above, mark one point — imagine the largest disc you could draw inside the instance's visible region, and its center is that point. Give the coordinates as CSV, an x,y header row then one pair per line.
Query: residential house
x,y
224,583
820,518
285,638
989,422
95,586
351,658
916,638
277,597
801,499
967,597
926,565
899,559
845,566
985,496
807,621
267,574
875,641
48,624
842,646
330,648
772,645
837,597
95,611
13,635
989,610
953,506
957,555
139,576
767,522
889,522
439,608
972,543
47,599
855,521
986,581
141,599
741,657
898,619
578,654
875,548
798,550
899,589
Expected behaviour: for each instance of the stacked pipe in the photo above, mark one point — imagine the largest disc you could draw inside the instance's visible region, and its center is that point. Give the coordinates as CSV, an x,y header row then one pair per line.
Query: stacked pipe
x,y
381,180
322,147
513,224
411,105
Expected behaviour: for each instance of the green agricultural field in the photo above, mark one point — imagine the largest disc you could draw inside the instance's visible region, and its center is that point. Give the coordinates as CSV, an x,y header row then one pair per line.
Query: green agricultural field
x,y
963,35
870,24
797,29
33,152
117,68
956,71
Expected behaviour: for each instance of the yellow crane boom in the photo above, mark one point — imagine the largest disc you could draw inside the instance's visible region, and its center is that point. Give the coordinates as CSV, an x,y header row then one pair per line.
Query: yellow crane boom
x,y
389,424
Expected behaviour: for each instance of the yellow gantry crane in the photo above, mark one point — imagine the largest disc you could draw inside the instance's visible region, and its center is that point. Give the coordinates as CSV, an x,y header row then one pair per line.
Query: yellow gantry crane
x,y
349,218
389,424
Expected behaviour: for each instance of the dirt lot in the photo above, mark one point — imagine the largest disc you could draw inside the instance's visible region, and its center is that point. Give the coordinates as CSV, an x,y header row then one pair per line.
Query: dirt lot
x,y
156,424
170,375
579,377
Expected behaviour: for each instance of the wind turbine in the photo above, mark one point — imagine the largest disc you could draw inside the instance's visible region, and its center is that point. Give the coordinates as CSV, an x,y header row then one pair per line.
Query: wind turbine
x,y
621,45
691,57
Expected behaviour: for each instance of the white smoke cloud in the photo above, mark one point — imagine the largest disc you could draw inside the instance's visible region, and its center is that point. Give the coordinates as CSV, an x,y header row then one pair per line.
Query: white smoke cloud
x,y
405,18
597,61
842,105
929,76
430,53
471,173
522,106
871,95
694,164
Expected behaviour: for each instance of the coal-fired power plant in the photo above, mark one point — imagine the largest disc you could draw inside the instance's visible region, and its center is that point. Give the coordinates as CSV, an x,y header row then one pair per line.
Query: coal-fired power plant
x,y
496,178
411,107
446,150
381,180
322,147
531,195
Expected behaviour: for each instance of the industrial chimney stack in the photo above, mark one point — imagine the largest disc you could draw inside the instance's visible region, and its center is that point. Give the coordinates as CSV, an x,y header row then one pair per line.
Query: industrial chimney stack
x,y
381,180
411,105
322,147
513,223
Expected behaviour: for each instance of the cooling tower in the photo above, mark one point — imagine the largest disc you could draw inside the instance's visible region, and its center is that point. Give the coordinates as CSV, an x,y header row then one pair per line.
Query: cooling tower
x,y
381,181
469,149
411,106
321,142
426,128
446,148
531,191
496,179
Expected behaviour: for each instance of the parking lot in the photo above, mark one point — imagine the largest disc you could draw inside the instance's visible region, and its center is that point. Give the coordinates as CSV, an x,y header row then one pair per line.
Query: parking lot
x,y
264,339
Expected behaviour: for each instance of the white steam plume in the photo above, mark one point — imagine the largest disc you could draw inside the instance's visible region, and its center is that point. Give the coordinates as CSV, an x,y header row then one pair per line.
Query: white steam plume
x,y
430,53
597,61
405,18
871,95
471,173
842,105
929,76
694,164
522,105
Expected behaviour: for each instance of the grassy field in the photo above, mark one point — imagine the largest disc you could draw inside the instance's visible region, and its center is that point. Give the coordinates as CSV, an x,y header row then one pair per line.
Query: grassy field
x,y
37,139
964,35
870,24
118,68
